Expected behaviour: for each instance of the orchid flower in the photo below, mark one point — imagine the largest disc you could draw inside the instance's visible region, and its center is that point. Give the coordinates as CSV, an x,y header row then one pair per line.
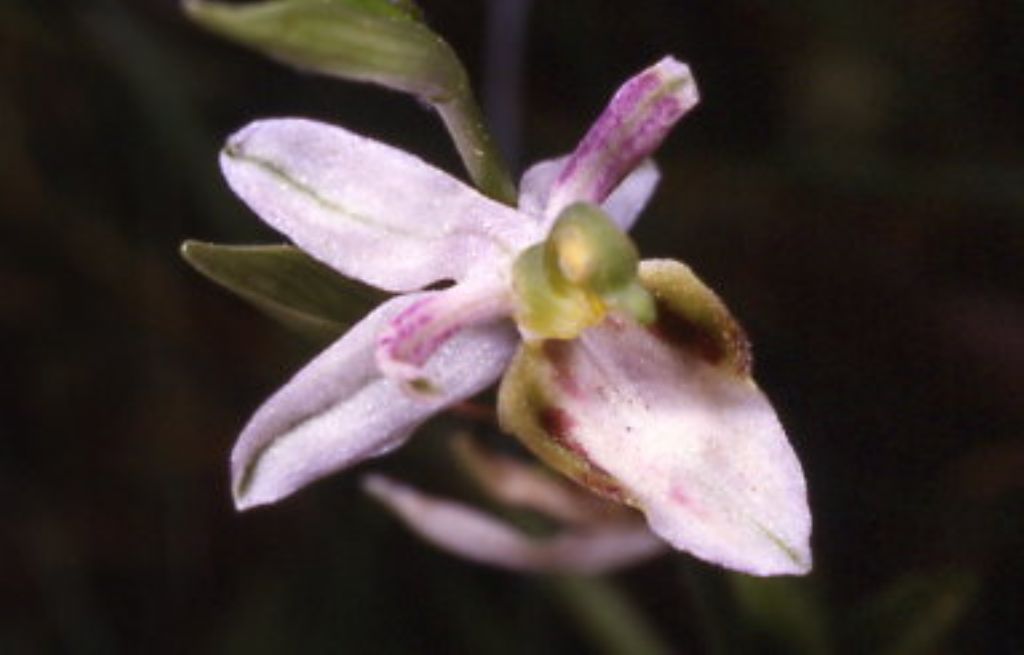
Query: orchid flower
x,y
629,377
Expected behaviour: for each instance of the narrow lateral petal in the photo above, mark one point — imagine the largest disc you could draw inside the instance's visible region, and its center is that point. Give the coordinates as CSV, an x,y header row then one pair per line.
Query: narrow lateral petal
x,y
471,534
669,414
340,410
373,212
411,337
632,126
624,204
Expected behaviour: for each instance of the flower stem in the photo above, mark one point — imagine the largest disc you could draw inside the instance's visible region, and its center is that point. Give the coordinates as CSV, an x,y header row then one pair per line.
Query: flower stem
x,y
710,605
462,117
607,616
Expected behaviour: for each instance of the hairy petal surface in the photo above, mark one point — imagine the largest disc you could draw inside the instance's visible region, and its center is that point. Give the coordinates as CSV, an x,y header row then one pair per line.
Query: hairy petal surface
x,y
372,212
623,204
667,419
340,409
469,533
638,118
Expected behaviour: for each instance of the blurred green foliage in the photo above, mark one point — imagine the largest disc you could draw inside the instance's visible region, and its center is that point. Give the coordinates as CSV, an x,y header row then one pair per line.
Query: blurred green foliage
x,y
852,185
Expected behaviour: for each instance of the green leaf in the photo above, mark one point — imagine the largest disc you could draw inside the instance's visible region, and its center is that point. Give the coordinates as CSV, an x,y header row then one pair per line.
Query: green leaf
x,y
914,616
286,284
375,41
785,613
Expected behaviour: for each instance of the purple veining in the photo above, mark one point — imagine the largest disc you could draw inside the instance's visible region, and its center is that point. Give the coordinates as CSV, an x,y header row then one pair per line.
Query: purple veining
x,y
632,126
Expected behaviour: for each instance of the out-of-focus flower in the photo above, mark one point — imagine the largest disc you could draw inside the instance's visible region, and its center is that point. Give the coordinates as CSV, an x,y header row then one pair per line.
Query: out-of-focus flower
x,y
587,535
629,377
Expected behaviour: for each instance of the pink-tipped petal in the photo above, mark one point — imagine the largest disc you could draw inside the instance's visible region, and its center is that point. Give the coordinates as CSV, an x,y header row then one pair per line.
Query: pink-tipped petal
x,y
473,535
667,419
411,337
340,410
639,116
372,212
624,204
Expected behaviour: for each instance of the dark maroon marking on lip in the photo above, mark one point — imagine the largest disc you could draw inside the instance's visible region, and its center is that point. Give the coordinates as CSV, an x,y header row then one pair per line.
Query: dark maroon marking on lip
x,y
603,484
557,353
679,331
557,423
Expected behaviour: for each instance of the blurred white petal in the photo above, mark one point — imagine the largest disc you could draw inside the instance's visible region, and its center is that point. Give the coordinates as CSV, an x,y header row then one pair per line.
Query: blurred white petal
x,y
471,534
517,483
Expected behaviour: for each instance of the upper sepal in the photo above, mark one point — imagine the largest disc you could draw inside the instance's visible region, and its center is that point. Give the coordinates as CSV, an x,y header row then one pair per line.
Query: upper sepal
x,y
666,418
370,211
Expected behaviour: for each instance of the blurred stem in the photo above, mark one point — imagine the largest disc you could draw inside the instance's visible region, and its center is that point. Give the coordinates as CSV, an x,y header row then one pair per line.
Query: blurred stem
x,y
607,617
475,412
462,117
503,62
710,601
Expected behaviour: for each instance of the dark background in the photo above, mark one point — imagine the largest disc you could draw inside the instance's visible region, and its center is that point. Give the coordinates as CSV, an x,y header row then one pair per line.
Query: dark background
x,y
852,184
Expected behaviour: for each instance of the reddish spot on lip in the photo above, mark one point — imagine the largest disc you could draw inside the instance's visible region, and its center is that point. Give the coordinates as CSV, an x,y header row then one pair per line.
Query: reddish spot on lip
x,y
716,344
557,422
679,496
557,353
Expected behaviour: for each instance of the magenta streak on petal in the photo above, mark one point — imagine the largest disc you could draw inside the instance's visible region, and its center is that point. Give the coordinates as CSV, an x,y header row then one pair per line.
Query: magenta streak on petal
x,y
635,122
643,140
415,334
622,104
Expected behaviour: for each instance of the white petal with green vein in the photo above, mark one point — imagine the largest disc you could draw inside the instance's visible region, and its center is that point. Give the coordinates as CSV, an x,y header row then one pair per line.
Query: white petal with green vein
x,y
372,212
340,409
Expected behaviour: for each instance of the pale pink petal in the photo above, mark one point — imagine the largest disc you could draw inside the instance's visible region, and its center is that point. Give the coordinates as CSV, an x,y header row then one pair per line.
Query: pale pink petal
x,y
624,204
638,118
411,337
629,198
535,185
665,418
469,533
340,410
373,212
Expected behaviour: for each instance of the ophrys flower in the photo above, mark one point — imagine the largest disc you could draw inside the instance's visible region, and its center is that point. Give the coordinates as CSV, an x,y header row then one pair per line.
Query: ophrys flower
x,y
630,378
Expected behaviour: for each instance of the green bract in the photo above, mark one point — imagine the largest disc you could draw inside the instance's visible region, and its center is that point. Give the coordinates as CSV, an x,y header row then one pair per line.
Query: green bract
x,y
376,41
